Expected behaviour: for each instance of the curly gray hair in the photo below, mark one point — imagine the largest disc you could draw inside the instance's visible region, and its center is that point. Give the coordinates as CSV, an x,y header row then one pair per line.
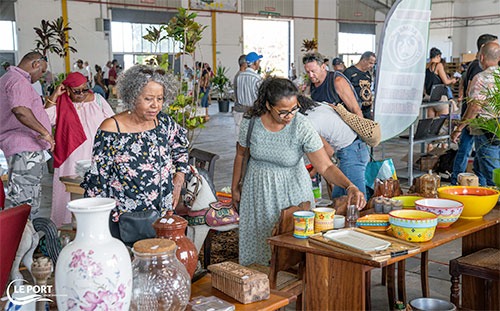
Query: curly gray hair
x,y
132,81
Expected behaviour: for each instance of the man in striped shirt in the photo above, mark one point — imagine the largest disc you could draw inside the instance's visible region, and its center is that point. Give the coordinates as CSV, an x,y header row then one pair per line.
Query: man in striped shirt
x,y
247,86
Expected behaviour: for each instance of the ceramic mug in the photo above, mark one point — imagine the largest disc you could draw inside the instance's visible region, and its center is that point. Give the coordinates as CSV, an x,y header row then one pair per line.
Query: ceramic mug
x,y
468,179
323,218
303,224
338,221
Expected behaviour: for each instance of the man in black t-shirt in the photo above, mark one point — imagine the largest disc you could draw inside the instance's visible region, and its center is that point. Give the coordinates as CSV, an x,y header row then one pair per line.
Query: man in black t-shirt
x,y
329,86
361,78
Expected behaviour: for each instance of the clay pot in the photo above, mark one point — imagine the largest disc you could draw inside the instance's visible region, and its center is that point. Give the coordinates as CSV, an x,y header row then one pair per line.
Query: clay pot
x,y
173,227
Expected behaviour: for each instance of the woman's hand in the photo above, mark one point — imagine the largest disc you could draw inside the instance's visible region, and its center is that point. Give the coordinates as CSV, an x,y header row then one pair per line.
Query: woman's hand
x,y
60,89
176,194
354,196
236,197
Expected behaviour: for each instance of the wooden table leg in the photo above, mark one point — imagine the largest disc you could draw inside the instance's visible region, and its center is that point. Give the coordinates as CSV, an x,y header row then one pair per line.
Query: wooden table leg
x,y
402,280
335,284
424,273
391,295
368,296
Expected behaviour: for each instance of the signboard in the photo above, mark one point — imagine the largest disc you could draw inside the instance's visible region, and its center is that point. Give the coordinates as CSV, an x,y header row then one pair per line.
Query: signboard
x,y
401,61
214,5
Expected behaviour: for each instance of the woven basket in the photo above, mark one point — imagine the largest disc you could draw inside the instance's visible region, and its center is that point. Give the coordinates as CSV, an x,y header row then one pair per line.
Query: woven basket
x,y
243,284
368,130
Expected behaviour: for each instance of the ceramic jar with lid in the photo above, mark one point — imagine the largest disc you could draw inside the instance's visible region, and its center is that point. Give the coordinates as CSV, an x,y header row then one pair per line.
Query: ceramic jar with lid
x,y
173,227
161,282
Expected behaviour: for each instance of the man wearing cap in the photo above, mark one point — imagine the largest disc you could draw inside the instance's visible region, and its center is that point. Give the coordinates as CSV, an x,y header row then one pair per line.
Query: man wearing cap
x,y
338,64
361,78
329,86
247,86
25,132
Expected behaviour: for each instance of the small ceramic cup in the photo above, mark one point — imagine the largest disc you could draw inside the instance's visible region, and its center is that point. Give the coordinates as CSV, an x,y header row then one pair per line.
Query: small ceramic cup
x,y
338,221
323,218
303,224
468,179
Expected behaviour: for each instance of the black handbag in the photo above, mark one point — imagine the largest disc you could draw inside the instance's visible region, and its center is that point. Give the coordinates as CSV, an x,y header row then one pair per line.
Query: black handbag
x,y
135,226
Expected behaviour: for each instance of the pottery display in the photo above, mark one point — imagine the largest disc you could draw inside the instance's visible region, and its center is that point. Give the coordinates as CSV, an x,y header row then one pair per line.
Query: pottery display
x,y
173,227
94,271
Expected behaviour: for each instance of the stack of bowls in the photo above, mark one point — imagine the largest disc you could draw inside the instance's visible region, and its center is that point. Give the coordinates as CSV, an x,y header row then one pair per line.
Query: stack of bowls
x,y
413,225
408,200
447,210
477,201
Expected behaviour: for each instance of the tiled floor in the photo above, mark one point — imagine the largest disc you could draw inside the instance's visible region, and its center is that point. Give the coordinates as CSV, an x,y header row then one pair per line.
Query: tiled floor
x,y
219,137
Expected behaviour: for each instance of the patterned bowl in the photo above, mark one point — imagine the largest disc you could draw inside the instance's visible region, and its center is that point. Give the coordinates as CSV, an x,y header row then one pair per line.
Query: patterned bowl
x,y
477,201
413,225
447,210
374,222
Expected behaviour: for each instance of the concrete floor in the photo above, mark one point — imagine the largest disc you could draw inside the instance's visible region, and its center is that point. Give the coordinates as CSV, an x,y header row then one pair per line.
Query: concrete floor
x,y
219,137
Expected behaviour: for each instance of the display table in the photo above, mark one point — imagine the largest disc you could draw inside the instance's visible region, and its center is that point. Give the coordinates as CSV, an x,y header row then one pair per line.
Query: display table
x,y
203,287
72,184
336,281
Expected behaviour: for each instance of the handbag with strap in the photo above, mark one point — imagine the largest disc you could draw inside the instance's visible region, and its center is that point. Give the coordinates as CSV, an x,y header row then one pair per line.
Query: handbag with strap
x,y
135,226
368,130
246,156
221,214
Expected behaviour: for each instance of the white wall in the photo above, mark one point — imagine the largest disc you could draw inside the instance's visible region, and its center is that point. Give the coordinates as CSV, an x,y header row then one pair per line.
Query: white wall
x,y
94,46
91,45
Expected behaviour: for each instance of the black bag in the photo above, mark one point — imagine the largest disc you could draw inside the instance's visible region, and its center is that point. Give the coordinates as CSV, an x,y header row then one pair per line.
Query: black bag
x,y
135,226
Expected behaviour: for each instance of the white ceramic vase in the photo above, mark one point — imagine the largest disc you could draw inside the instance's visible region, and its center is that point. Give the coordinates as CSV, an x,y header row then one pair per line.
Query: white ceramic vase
x,y
94,271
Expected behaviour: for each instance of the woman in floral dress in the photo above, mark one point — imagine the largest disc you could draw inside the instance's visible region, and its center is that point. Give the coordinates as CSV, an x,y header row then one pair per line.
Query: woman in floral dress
x,y
276,177
140,155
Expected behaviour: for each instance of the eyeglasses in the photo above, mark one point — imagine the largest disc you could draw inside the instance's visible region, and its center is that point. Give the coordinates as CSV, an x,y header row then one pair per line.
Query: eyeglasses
x,y
79,92
44,58
283,114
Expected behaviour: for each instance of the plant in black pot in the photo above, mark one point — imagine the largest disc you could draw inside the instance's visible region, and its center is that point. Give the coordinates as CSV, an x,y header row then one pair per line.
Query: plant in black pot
x,y
220,83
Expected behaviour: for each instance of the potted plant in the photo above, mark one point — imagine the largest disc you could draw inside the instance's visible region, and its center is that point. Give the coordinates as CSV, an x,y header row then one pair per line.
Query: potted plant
x,y
489,120
220,82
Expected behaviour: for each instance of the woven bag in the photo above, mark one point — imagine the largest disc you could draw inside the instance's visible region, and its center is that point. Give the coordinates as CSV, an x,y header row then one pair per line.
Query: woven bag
x,y
368,130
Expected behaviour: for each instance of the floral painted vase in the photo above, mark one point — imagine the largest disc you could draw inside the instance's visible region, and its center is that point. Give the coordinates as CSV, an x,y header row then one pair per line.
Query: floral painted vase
x,y
93,272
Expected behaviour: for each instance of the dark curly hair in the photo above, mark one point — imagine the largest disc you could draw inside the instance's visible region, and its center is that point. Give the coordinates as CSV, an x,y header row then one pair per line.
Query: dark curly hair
x,y
271,91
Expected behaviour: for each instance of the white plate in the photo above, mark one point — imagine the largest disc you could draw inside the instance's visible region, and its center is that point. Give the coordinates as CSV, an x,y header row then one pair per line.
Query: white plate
x,y
357,240
324,203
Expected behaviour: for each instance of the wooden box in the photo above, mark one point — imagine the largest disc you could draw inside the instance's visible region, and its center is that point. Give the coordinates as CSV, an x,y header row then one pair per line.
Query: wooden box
x,y
239,282
428,162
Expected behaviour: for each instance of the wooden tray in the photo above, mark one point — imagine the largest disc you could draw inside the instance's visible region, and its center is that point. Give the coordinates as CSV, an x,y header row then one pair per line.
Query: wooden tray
x,y
397,248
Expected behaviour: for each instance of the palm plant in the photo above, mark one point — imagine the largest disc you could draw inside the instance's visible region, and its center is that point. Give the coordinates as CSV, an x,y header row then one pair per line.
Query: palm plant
x,y
52,38
489,119
221,82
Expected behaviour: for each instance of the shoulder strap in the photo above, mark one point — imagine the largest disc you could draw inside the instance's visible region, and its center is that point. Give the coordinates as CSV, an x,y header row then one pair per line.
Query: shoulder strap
x,y
339,74
116,122
250,129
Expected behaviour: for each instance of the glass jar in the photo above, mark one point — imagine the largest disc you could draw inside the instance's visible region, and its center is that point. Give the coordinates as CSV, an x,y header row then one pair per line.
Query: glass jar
x,y
160,280
378,205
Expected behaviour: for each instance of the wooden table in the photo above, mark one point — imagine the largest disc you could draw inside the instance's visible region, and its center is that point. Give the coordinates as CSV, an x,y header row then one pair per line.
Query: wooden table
x,y
72,184
203,287
336,281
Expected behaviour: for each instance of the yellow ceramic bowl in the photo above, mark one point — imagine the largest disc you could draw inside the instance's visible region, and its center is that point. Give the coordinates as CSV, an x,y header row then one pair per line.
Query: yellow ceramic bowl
x,y
477,201
413,225
408,200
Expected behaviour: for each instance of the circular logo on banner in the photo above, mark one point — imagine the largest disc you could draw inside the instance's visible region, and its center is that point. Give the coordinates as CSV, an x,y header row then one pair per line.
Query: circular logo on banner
x,y
406,46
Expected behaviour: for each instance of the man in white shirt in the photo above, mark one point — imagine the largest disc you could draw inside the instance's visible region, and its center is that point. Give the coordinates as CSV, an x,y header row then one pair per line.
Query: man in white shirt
x,y
247,83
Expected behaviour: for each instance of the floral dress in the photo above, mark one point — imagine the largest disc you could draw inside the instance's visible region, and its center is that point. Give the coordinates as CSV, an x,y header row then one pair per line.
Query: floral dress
x,y
137,168
276,178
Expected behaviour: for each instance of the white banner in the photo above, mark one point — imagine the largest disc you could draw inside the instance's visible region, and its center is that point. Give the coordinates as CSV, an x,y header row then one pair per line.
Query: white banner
x,y
401,60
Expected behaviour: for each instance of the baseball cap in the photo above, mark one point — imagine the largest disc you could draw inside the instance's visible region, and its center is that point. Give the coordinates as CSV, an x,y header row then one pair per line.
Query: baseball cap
x,y
252,57
337,61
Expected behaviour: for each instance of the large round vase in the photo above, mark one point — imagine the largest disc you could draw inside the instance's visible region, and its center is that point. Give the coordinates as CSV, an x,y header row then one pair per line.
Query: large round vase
x,y
173,227
93,272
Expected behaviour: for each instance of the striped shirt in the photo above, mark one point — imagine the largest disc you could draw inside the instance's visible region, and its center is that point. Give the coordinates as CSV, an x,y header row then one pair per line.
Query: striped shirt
x,y
248,83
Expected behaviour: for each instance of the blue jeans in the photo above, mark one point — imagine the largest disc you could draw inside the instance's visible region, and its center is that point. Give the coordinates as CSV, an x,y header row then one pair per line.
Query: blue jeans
x,y
204,99
487,157
352,162
463,153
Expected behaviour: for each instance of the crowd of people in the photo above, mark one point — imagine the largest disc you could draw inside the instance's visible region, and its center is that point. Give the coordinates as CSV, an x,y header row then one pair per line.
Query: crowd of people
x,y
140,156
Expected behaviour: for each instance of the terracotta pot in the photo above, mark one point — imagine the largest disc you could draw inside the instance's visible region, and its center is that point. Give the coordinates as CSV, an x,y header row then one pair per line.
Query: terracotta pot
x,y
173,227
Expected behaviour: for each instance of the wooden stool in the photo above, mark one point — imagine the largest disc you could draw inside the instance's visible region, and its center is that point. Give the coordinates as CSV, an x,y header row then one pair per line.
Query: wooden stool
x,y
484,264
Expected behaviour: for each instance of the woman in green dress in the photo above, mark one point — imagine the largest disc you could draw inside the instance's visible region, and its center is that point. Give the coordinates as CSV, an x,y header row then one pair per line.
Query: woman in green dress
x,y
276,176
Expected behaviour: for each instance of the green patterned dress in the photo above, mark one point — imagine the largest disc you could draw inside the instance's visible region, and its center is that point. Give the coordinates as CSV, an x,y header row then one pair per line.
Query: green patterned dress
x,y
276,178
